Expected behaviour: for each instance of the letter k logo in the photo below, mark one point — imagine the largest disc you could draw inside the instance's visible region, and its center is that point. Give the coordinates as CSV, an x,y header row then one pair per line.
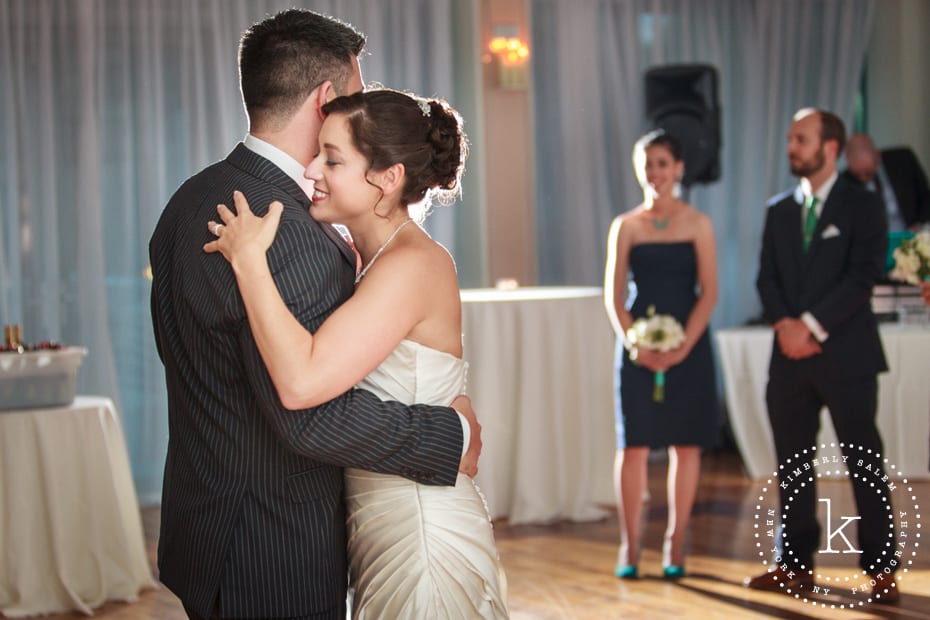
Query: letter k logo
x,y
831,533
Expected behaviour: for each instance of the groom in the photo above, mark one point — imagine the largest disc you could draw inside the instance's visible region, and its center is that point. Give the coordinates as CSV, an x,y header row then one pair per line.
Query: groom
x,y
252,513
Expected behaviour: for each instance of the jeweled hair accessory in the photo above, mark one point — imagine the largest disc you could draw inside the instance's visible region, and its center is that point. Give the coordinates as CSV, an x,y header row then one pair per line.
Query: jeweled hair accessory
x,y
424,107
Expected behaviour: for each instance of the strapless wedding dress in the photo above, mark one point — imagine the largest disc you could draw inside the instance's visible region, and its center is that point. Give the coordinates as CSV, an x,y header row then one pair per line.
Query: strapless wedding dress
x,y
418,551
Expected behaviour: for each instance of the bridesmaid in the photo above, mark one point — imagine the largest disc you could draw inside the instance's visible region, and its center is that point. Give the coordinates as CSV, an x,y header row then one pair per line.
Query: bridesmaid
x,y
666,247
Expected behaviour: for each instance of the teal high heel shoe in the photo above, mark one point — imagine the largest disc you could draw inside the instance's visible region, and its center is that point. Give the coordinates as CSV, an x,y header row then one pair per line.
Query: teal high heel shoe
x,y
673,571
626,572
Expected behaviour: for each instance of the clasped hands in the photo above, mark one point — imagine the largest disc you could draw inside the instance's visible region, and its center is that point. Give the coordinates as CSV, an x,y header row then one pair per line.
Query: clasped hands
x,y
660,361
795,339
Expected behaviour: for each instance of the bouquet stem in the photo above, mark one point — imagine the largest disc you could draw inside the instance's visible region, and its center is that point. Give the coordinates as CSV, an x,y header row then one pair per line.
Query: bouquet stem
x,y
658,387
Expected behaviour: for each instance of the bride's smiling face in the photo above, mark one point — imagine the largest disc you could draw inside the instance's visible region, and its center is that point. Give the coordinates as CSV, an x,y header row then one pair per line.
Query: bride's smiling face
x,y
343,185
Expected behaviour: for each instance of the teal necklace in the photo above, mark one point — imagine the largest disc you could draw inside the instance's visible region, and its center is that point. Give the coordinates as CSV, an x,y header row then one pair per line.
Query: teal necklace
x,y
660,222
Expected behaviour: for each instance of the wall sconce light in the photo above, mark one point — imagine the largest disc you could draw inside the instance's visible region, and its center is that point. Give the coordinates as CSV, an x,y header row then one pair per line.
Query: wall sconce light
x,y
512,55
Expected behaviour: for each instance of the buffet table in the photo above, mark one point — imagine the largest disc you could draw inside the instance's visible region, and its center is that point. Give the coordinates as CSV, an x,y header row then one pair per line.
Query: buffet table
x,y
540,379
903,398
70,529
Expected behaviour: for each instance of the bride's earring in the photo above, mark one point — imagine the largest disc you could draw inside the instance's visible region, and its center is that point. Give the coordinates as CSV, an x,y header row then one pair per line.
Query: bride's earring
x,y
676,188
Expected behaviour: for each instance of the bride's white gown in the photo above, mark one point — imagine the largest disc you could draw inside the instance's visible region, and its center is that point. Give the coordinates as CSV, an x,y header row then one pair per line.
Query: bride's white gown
x,y
418,551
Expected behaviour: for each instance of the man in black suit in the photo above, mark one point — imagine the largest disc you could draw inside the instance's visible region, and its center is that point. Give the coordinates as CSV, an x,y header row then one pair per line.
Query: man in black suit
x,y
896,176
252,514
822,250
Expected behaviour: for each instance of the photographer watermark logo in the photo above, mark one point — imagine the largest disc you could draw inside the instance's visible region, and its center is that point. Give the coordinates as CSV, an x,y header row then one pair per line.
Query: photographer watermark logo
x,y
855,585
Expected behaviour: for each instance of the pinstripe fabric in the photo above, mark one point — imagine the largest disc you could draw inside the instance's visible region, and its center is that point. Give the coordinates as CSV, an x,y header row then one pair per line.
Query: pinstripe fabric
x,y
252,512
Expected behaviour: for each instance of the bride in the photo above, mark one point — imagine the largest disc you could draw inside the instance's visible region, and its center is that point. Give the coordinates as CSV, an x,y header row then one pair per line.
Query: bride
x,y
415,551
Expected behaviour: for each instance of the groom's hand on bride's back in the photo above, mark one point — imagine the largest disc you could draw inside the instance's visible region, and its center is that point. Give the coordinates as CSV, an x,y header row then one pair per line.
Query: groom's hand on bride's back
x,y
469,463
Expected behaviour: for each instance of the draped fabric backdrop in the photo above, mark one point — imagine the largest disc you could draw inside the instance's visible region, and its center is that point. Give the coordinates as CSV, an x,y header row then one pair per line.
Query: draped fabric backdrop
x,y
106,106
589,59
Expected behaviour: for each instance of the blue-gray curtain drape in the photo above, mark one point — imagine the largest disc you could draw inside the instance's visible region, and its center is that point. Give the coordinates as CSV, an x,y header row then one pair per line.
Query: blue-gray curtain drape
x,y
589,59
106,106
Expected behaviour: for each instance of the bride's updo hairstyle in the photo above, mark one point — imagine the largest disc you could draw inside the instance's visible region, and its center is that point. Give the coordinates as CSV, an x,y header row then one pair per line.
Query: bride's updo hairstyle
x,y
425,135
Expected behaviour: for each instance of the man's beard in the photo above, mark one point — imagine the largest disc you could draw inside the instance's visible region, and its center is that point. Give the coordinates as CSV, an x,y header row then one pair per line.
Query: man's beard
x,y
804,169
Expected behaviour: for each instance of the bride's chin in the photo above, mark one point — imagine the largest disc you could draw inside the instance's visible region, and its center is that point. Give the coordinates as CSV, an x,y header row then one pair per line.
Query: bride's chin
x,y
319,214
666,192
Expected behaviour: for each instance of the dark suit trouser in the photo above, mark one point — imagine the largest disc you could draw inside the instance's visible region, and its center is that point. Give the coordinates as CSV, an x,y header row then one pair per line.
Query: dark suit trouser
x,y
794,402
326,615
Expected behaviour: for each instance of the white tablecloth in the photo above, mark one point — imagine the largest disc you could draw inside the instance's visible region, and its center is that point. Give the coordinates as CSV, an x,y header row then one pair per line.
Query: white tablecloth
x,y
70,530
540,379
903,394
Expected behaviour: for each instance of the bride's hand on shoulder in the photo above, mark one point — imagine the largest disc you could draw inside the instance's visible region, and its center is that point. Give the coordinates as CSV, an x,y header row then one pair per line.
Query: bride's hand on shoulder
x,y
243,235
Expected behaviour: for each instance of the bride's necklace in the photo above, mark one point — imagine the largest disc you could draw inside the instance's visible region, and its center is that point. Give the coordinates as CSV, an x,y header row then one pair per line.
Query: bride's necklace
x,y
381,249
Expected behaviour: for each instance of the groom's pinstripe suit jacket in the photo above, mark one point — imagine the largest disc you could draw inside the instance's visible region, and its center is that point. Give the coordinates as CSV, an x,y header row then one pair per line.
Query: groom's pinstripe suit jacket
x,y
252,514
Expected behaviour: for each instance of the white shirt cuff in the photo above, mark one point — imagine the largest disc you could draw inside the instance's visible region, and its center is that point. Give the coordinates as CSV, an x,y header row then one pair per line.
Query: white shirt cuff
x,y
816,328
466,433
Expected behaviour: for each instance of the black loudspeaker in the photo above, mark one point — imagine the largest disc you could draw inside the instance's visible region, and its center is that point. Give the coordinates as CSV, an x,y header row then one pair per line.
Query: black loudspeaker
x,y
682,100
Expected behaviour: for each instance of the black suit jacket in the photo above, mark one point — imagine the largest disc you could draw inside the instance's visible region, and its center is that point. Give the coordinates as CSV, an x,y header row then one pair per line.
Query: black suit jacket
x,y
252,512
909,183
833,280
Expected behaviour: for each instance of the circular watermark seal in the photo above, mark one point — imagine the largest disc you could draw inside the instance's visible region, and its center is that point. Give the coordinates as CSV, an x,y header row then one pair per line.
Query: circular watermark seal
x,y
895,542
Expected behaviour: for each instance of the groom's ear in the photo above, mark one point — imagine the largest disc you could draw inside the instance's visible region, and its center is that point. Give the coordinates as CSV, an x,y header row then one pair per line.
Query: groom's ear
x,y
323,94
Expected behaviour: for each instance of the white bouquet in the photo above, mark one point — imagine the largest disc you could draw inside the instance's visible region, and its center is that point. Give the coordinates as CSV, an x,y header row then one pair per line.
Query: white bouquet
x,y
912,259
656,332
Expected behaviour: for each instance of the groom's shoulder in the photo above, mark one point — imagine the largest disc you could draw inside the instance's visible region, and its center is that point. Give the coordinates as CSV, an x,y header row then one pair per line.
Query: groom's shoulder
x,y
212,182
205,177
782,198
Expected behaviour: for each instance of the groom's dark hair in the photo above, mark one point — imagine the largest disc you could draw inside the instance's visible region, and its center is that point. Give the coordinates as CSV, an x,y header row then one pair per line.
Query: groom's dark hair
x,y
284,57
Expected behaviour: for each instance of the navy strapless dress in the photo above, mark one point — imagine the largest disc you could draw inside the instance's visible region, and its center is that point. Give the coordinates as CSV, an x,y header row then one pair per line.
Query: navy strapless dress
x,y
664,275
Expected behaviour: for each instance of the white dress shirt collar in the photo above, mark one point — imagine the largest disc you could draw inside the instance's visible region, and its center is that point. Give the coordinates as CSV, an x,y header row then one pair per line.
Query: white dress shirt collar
x,y
290,166
822,192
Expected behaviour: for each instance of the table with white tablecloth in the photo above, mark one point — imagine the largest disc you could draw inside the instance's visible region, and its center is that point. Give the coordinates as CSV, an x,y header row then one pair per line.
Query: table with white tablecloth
x,y
903,398
70,529
540,378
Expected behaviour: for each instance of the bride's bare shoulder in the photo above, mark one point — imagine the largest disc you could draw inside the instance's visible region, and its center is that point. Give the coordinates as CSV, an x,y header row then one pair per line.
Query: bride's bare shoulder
x,y
421,263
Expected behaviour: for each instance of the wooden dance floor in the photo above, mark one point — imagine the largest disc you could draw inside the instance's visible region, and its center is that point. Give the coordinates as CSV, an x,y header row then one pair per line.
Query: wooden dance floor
x,y
565,570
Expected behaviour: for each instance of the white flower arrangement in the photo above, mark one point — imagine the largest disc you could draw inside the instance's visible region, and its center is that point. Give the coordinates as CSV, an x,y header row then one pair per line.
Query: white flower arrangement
x,y
656,332
912,259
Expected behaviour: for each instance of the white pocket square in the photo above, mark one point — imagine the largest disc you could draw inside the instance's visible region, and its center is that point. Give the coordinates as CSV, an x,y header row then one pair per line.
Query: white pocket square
x,y
830,231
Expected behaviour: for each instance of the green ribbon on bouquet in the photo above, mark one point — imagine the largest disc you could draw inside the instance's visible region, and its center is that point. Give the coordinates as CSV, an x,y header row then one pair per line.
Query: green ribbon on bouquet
x,y
658,387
